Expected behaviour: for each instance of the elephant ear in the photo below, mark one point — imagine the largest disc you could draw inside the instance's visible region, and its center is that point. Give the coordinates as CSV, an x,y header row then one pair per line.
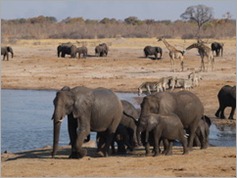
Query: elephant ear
x,y
82,106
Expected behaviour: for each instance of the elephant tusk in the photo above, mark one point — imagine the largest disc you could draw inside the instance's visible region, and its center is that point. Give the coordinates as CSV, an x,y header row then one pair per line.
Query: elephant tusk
x,y
186,135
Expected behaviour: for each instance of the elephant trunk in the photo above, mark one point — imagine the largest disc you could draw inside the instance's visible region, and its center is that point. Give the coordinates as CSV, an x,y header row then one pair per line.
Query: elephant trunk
x,y
56,133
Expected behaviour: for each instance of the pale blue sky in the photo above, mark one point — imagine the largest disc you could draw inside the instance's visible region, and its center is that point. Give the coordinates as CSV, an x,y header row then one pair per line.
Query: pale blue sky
x,y
119,9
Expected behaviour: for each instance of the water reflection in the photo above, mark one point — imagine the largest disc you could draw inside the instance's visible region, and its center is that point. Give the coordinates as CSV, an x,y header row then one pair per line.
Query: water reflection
x,y
26,121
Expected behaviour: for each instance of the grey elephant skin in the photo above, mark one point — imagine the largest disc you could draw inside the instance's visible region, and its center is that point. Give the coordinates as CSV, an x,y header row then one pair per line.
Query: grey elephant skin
x,y
126,132
67,48
202,133
186,105
97,110
82,50
125,135
167,127
101,50
150,50
5,50
217,48
227,98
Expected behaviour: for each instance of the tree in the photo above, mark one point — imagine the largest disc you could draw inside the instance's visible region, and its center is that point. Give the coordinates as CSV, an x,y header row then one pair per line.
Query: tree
x,y
132,20
200,14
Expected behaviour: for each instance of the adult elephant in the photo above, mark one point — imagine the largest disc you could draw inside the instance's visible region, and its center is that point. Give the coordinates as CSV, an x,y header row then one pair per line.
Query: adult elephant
x,y
82,50
217,47
97,110
186,105
101,50
5,50
227,98
150,50
67,48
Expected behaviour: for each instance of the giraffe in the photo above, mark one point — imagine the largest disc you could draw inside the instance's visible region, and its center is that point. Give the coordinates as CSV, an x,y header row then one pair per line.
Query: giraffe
x,y
174,54
204,51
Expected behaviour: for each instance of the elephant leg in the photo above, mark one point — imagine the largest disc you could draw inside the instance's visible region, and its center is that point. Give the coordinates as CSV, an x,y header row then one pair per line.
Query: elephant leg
x,y
135,139
167,147
196,141
80,139
113,147
147,148
157,135
108,141
222,115
170,146
121,147
232,113
100,140
72,130
156,146
217,114
82,133
192,135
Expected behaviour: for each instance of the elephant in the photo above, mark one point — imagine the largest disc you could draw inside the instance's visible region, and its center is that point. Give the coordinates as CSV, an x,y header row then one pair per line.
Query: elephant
x,y
82,50
202,132
5,50
97,110
126,131
167,127
185,104
226,98
217,47
101,50
122,136
149,50
67,48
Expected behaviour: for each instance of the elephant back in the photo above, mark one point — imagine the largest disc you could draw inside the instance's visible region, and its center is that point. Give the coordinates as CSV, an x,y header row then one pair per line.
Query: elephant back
x,y
189,108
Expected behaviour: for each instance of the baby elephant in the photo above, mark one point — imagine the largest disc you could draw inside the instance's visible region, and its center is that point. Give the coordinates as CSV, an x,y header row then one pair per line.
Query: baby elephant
x,y
167,127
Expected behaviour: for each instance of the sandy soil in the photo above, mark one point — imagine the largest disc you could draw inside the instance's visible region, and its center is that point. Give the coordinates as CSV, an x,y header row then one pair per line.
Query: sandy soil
x,y
124,69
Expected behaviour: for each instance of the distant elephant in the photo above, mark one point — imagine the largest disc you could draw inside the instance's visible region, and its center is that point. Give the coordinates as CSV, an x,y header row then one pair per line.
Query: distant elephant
x,y
167,127
202,133
217,47
82,50
97,110
101,50
67,48
5,50
186,105
149,50
226,98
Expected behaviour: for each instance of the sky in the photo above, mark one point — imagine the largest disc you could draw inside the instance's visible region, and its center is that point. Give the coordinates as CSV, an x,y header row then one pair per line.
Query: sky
x,y
118,9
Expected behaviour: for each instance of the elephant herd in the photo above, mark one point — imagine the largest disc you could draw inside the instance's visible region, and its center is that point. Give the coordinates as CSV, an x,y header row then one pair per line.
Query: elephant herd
x,y
102,50
163,118
71,49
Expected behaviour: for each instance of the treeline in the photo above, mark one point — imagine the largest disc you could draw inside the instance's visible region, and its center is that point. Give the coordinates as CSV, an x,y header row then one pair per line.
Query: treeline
x,y
79,28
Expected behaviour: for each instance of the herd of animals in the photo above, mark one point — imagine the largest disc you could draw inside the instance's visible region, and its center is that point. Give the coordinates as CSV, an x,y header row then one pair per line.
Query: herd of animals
x,y
163,116
170,82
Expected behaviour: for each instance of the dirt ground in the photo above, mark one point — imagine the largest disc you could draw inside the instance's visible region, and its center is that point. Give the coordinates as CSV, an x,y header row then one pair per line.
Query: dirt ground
x,y
36,66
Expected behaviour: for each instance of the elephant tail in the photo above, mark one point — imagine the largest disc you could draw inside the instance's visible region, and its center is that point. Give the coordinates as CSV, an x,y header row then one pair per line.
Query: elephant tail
x,y
135,120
